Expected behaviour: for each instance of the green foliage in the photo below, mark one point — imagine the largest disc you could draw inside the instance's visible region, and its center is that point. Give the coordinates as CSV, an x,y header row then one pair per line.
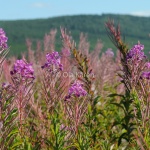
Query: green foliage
x,y
52,120
8,123
56,140
133,29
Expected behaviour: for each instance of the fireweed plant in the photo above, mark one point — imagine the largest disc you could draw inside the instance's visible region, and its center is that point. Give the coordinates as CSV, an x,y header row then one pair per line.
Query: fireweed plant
x,y
75,99
15,98
75,104
7,109
135,102
3,46
22,80
87,112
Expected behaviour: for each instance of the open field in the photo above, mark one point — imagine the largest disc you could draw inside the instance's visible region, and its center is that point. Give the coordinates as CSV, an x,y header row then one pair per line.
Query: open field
x,y
72,98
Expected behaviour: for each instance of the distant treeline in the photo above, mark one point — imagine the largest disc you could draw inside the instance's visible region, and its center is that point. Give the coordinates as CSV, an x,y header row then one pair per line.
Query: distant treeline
x,y
133,29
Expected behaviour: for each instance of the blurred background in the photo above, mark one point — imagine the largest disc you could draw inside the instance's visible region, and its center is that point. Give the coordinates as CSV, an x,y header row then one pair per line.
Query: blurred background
x,y
32,19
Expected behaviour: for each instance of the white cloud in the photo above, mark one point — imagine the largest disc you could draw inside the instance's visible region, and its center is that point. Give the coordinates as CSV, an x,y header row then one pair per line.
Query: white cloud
x,y
40,5
141,13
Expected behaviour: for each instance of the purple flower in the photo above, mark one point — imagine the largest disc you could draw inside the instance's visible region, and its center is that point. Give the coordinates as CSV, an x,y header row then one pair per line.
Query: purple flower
x,y
53,62
23,69
109,53
76,90
3,39
147,65
146,75
136,53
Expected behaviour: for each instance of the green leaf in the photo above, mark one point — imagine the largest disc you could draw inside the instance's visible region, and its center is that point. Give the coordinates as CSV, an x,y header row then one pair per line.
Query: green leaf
x,y
18,143
121,137
115,94
117,104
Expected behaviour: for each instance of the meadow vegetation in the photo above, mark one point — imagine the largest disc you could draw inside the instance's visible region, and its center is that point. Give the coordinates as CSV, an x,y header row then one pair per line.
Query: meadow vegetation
x,y
75,99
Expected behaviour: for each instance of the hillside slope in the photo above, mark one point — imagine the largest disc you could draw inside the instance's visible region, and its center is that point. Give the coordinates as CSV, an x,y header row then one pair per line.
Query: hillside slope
x,y
133,29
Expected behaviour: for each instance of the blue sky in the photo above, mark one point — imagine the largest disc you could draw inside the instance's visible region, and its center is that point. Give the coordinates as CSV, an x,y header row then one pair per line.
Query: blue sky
x,y
32,9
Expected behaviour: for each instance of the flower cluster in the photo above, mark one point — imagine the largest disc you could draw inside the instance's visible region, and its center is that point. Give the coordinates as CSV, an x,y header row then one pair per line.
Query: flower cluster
x,y
53,62
146,75
136,58
76,90
109,53
23,69
3,39
136,53
147,65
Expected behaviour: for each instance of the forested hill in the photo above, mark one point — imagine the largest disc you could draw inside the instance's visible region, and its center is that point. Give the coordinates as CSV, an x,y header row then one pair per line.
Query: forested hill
x,y
133,29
